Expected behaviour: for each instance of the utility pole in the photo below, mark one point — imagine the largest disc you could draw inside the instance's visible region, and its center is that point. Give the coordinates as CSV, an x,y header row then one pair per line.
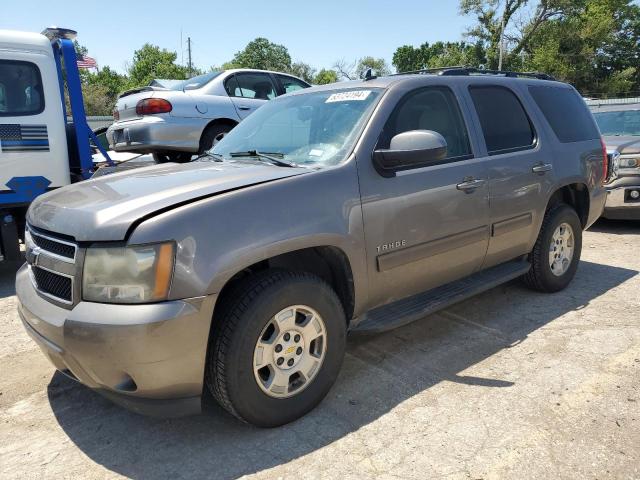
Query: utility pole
x,y
189,66
502,39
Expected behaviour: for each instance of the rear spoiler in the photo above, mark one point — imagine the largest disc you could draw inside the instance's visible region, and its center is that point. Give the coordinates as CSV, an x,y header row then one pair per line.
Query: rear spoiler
x,y
147,88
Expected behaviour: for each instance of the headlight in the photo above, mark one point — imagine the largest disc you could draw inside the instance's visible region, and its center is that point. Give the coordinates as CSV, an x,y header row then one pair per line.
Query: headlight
x,y
132,274
629,162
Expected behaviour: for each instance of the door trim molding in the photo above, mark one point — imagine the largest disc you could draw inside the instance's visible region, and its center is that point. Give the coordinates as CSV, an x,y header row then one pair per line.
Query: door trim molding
x,y
394,259
511,224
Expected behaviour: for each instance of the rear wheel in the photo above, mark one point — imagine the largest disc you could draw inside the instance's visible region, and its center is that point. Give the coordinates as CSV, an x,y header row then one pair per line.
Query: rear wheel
x,y
556,253
277,347
212,135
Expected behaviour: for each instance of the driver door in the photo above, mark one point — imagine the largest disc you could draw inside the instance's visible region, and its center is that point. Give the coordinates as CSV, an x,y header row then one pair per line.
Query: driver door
x,y
423,227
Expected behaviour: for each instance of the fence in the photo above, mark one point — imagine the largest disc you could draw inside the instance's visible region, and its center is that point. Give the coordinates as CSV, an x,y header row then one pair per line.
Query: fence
x,y
97,121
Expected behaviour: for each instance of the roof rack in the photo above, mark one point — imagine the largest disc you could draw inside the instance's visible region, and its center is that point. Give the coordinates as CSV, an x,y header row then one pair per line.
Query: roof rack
x,y
462,70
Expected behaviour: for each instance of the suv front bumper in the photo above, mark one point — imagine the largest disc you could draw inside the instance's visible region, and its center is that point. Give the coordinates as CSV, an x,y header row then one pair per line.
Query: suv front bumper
x,y
147,358
620,205
154,133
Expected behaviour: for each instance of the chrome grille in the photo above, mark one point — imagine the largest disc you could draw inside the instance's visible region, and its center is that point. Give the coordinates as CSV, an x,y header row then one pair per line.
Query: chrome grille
x,y
54,284
52,245
51,264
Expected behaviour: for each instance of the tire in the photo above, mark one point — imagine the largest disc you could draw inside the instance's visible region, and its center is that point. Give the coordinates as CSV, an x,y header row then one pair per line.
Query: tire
x,y
211,135
245,319
541,276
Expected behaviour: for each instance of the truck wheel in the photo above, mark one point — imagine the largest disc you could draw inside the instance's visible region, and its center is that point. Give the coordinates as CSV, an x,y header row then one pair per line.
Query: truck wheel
x,y
277,347
212,135
556,253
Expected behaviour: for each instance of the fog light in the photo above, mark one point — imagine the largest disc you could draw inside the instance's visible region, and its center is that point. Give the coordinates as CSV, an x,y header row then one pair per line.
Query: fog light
x,y
635,194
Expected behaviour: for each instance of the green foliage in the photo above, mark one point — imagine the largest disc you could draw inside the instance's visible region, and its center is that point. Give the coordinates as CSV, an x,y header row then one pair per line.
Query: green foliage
x,y
357,69
153,62
325,76
440,54
592,44
377,65
262,54
303,70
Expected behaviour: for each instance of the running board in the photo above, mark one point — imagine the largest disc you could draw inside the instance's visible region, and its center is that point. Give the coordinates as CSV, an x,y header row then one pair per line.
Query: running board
x,y
414,308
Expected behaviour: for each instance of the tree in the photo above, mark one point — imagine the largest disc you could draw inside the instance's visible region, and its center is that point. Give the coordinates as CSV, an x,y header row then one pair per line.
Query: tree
x,y
377,65
110,79
440,54
325,76
151,62
303,70
592,44
354,70
262,54
491,22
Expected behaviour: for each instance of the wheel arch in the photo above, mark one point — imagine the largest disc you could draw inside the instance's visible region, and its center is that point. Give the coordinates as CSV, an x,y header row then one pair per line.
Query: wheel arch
x,y
577,196
328,262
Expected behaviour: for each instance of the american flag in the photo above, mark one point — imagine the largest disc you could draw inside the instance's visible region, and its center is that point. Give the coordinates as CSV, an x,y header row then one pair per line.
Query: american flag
x,y
23,138
85,61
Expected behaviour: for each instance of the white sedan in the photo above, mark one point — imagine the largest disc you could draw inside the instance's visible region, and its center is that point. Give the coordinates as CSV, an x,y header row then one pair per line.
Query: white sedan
x,y
189,118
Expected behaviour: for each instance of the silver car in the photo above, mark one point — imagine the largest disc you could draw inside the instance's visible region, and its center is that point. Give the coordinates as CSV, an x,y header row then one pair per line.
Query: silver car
x,y
194,115
619,122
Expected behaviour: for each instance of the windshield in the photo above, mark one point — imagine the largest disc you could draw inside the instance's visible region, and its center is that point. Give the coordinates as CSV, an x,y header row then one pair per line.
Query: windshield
x,y
623,122
313,129
195,82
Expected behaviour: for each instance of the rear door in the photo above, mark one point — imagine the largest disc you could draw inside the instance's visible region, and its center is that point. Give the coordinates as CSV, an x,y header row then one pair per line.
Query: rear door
x,y
249,91
520,169
425,226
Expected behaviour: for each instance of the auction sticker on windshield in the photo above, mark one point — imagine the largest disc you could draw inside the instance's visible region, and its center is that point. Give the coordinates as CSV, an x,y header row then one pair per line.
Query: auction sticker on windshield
x,y
348,96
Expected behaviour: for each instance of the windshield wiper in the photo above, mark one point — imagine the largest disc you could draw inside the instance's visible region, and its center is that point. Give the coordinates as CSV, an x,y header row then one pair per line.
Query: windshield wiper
x,y
273,157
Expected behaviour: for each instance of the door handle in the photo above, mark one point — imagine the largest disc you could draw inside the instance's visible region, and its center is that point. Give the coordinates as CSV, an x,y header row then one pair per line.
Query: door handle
x,y
244,107
469,184
542,168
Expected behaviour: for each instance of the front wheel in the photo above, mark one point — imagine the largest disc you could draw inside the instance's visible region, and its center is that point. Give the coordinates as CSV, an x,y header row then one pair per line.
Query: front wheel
x,y
556,253
277,348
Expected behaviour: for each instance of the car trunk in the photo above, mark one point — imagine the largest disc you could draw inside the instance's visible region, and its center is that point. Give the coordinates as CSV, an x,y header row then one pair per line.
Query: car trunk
x,y
126,105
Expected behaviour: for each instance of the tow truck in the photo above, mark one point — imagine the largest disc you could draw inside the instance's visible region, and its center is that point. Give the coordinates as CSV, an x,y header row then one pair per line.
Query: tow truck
x,y
42,145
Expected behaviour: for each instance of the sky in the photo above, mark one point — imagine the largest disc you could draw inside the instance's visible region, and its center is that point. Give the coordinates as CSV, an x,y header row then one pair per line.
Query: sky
x,y
316,32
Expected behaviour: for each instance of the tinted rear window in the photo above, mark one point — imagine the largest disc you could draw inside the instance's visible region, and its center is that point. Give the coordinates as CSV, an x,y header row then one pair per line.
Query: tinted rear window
x,y
505,124
566,112
20,88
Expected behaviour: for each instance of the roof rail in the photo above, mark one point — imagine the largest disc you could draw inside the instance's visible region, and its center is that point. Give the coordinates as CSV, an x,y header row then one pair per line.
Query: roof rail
x,y
462,70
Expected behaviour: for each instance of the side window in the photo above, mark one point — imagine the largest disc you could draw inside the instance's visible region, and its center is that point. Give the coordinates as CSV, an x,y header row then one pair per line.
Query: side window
x,y
291,84
20,88
505,124
430,108
566,112
255,85
231,86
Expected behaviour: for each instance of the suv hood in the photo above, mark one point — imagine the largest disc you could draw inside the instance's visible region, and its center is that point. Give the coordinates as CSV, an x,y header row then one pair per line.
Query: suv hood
x,y
104,208
622,144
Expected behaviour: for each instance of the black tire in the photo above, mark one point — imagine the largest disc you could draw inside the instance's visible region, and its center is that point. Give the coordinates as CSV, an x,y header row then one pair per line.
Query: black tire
x,y
239,322
211,134
540,277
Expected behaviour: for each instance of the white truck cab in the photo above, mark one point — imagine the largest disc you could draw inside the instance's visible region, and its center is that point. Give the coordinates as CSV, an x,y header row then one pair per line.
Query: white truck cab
x,y
39,149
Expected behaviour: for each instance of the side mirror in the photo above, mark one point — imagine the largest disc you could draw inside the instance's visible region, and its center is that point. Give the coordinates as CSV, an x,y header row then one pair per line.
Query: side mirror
x,y
411,149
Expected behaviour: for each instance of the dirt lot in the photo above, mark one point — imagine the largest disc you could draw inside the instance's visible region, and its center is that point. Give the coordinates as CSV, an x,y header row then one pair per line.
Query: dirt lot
x,y
510,384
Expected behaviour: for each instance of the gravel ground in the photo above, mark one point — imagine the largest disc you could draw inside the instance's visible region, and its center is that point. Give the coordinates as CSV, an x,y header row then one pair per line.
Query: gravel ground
x,y
509,384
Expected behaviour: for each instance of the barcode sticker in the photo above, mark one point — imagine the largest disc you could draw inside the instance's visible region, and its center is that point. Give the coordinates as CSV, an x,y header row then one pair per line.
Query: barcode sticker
x,y
357,95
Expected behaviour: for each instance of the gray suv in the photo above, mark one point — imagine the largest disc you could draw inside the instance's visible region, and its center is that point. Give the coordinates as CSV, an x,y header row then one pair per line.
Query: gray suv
x,y
356,206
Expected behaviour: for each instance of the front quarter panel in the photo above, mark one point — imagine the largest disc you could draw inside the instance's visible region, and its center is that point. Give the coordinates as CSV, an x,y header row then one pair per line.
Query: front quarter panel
x,y
222,235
